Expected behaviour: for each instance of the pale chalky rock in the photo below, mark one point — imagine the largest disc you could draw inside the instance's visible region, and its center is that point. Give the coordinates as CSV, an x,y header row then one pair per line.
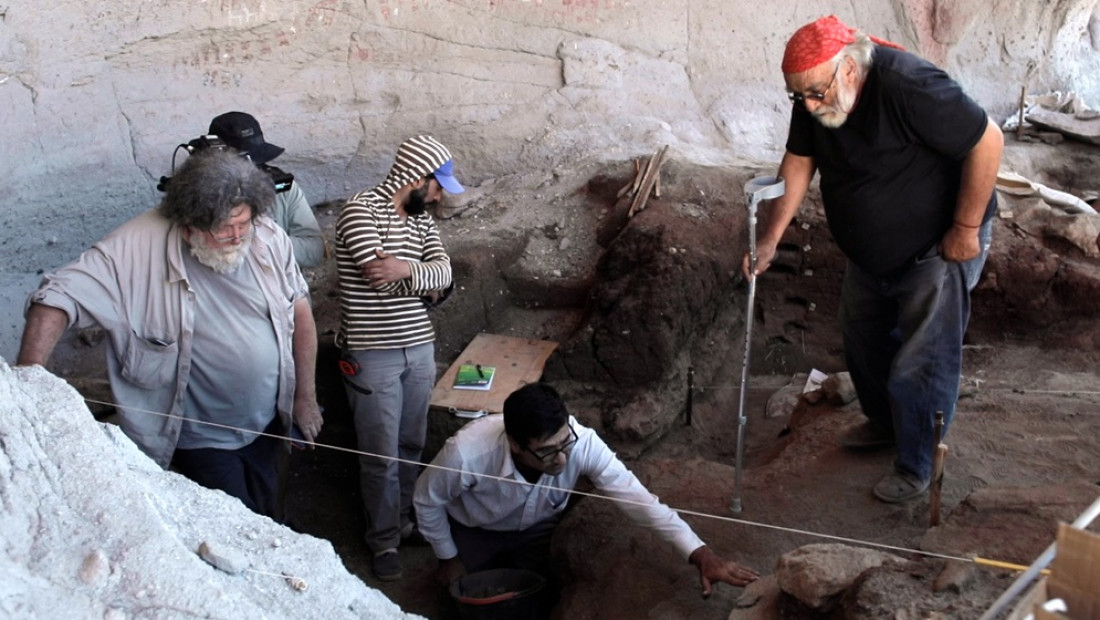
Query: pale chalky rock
x,y
92,528
817,574
223,557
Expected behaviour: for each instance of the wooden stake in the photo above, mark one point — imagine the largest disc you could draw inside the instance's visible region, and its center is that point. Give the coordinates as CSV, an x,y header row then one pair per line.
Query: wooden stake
x,y
937,484
648,180
691,392
939,453
1020,122
632,186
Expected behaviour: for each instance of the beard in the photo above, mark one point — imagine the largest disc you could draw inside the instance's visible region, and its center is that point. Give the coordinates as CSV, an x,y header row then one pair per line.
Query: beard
x,y
416,202
833,116
222,259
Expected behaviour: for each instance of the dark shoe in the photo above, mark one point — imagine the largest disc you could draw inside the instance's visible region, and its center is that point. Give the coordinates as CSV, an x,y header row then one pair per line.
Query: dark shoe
x,y
410,535
866,436
386,565
900,487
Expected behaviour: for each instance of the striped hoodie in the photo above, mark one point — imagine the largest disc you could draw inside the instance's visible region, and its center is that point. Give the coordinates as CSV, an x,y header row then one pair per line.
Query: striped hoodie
x,y
392,316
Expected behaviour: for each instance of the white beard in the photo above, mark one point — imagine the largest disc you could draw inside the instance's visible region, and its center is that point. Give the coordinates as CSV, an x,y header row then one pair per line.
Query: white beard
x,y
834,116
221,259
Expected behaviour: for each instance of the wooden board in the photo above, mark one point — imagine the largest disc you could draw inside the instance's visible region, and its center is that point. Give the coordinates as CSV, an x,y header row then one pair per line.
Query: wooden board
x,y
518,361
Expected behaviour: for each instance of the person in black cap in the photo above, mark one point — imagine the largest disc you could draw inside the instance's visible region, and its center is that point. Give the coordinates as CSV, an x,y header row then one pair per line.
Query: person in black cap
x,y
388,256
292,211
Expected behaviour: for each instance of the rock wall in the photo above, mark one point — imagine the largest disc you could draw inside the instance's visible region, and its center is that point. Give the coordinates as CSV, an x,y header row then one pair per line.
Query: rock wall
x,y
95,96
92,528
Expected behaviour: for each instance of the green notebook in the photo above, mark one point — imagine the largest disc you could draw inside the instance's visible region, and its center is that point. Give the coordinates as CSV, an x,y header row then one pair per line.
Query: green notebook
x,y
474,377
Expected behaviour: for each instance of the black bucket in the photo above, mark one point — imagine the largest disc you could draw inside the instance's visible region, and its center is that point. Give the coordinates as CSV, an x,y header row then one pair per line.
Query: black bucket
x,y
499,594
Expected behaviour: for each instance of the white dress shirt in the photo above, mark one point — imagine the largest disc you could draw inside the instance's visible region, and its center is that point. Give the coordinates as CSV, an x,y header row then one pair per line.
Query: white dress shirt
x,y
468,492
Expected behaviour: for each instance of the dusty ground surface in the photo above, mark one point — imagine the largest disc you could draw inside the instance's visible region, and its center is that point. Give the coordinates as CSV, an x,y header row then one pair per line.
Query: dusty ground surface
x,y
636,303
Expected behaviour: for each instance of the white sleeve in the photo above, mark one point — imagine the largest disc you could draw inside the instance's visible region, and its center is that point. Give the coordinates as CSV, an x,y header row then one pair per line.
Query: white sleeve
x,y
435,488
611,476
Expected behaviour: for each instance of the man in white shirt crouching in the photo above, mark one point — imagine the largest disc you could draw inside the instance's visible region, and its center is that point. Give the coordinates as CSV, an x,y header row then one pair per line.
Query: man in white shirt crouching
x,y
476,521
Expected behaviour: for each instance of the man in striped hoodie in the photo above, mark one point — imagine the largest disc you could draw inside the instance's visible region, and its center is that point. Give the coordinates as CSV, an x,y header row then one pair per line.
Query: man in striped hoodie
x,y
388,257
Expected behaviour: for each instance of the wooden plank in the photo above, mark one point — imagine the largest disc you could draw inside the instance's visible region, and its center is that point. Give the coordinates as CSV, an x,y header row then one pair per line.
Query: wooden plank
x,y
518,361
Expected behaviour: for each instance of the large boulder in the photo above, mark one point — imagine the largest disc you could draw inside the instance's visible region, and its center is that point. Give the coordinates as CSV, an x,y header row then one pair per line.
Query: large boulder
x,y
817,574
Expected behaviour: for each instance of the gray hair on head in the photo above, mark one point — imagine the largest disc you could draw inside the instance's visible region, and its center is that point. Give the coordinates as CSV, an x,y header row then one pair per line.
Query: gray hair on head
x,y
860,51
212,183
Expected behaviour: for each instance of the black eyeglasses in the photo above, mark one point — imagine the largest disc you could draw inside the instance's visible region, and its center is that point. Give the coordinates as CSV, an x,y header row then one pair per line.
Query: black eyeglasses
x,y
547,455
800,99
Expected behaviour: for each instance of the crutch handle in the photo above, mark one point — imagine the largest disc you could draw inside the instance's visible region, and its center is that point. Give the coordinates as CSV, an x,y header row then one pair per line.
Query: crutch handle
x,y
765,188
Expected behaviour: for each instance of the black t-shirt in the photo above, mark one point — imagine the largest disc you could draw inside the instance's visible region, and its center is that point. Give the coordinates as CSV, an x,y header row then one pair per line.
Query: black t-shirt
x,y
890,175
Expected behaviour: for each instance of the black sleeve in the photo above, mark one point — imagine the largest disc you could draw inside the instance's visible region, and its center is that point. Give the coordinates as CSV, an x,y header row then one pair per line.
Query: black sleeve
x,y
934,108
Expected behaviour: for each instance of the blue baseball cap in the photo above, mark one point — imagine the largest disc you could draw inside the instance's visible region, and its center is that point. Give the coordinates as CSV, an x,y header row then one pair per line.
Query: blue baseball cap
x,y
445,175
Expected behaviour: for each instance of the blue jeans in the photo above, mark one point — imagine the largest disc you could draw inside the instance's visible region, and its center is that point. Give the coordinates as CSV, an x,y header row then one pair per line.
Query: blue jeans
x,y
903,338
390,422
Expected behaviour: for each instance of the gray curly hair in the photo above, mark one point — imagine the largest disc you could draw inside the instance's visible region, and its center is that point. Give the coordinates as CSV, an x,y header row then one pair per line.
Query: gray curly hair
x,y
212,183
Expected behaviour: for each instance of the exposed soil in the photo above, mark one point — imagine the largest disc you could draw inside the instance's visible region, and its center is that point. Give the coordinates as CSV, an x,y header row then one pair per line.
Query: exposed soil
x,y
643,305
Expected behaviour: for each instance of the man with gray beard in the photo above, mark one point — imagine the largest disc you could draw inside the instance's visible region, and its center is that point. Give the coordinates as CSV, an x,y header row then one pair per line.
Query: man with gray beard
x,y
908,163
211,341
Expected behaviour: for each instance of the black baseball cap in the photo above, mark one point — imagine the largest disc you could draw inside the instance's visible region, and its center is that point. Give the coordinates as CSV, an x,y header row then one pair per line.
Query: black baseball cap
x,y
242,132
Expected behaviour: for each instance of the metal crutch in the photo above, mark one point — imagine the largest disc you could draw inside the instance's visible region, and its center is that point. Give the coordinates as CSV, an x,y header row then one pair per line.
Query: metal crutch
x,y
756,190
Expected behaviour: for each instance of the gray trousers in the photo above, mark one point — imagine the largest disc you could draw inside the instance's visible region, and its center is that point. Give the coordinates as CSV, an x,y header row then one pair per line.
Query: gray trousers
x,y
390,423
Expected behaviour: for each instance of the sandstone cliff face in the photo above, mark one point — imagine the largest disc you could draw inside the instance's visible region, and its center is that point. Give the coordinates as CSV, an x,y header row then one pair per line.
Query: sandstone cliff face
x,y
95,96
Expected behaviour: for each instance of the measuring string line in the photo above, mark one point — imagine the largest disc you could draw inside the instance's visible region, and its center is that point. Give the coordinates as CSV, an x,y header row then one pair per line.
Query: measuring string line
x,y
731,386
681,511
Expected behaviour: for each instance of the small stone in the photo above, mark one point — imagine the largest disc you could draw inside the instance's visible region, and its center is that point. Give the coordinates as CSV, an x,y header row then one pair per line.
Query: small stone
x,y
223,557
838,389
1051,137
95,567
565,243
297,583
954,577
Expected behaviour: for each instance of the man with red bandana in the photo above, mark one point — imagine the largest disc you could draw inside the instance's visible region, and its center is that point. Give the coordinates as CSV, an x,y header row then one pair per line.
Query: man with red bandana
x,y
908,164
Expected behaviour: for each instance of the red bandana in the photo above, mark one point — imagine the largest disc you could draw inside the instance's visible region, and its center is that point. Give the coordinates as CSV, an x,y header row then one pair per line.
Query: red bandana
x,y
820,41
